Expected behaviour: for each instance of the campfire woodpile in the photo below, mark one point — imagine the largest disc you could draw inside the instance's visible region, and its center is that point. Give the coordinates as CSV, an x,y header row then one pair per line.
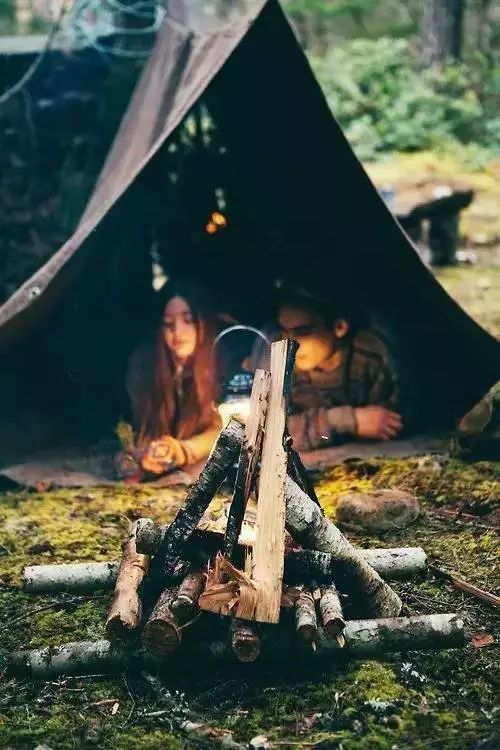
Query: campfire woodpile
x,y
297,586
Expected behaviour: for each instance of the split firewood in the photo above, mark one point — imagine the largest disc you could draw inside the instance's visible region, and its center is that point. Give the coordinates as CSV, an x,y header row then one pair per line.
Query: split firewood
x,y
310,527
185,603
305,617
469,588
73,577
245,640
269,548
330,609
162,633
249,457
223,455
363,638
124,616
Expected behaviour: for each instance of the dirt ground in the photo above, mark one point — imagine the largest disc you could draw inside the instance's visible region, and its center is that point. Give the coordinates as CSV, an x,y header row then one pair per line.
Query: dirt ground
x,y
422,700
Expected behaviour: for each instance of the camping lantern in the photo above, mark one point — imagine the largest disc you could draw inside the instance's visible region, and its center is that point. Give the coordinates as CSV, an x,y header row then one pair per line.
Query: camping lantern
x,y
235,402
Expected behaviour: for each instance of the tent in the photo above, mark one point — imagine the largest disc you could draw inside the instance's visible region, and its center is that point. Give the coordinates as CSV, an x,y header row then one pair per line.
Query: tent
x,y
301,208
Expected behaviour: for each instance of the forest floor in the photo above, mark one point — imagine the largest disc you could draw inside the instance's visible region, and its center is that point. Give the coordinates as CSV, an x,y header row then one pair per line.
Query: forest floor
x,y
446,699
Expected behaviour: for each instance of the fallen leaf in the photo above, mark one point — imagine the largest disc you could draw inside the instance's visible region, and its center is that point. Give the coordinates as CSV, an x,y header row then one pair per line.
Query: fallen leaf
x,y
115,708
480,640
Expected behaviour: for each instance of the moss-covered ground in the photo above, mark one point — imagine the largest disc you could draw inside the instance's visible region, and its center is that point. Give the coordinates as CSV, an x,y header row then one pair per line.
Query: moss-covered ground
x,y
417,700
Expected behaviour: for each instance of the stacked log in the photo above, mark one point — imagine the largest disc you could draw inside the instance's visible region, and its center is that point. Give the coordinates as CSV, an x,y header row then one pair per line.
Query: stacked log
x,y
172,578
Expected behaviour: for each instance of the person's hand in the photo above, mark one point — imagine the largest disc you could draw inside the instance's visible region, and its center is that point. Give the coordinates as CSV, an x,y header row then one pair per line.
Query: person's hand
x,y
127,466
377,423
163,454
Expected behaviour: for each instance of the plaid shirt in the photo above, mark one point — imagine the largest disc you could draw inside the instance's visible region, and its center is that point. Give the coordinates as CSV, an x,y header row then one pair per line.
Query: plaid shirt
x,y
360,374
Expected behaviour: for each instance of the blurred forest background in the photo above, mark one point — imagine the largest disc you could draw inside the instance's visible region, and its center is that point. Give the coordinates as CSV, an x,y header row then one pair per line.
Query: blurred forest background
x,y
415,84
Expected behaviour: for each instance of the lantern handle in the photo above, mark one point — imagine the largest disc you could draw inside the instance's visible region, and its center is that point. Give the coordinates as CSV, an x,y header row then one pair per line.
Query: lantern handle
x,y
239,327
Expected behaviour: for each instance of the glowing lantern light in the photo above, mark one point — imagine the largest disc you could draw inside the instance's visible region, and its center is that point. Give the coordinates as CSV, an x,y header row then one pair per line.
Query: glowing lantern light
x,y
211,228
219,219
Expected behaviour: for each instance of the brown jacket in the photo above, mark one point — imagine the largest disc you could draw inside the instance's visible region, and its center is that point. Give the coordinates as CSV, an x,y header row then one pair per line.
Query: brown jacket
x,y
196,446
323,401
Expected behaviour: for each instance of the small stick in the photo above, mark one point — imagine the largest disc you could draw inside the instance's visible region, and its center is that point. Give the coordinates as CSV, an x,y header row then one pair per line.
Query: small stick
x,y
124,616
162,635
245,640
469,588
185,604
305,617
331,612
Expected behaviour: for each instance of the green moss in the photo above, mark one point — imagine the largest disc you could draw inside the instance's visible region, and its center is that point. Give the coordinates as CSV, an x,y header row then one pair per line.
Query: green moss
x,y
459,686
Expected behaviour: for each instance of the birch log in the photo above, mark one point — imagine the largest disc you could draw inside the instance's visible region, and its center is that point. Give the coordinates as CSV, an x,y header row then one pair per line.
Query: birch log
x,y
309,526
330,608
363,638
306,622
71,577
124,616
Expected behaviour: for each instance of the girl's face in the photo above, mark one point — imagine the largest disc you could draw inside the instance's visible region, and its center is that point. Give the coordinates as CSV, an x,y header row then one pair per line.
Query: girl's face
x,y
179,329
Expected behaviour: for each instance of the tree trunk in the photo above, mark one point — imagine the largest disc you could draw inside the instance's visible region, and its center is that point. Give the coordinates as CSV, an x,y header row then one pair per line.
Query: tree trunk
x,y
441,30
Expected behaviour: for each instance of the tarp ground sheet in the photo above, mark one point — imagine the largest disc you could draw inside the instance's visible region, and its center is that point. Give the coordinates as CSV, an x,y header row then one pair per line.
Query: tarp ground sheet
x,y
311,210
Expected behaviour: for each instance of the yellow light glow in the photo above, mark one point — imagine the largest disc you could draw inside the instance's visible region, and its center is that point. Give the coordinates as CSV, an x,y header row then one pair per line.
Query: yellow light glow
x,y
219,219
237,409
211,228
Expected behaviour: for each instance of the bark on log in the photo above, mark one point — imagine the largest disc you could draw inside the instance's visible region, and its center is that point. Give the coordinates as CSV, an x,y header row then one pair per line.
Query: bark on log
x,y
162,634
223,455
72,577
124,616
245,640
306,622
310,527
398,563
249,457
185,603
363,638
330,608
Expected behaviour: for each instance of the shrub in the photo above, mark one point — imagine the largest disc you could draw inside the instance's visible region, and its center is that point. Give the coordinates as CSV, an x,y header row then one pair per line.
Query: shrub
x,y
385,103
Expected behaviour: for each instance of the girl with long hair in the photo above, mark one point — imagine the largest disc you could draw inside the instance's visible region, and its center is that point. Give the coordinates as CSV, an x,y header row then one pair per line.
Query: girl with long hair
x,y
171,383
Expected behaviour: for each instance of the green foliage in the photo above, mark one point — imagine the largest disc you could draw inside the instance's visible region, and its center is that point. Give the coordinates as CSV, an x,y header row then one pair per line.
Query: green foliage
x,y
385,103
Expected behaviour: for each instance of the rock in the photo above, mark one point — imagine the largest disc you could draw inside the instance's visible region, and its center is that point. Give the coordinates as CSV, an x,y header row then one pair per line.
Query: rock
x,y
378,510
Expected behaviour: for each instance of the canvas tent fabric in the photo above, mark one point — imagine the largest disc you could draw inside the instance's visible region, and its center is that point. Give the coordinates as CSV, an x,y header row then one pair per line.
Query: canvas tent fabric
x,y
314,216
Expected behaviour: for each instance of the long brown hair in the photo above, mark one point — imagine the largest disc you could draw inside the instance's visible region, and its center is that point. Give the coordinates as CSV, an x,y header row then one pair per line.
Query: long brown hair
x,y
160,415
